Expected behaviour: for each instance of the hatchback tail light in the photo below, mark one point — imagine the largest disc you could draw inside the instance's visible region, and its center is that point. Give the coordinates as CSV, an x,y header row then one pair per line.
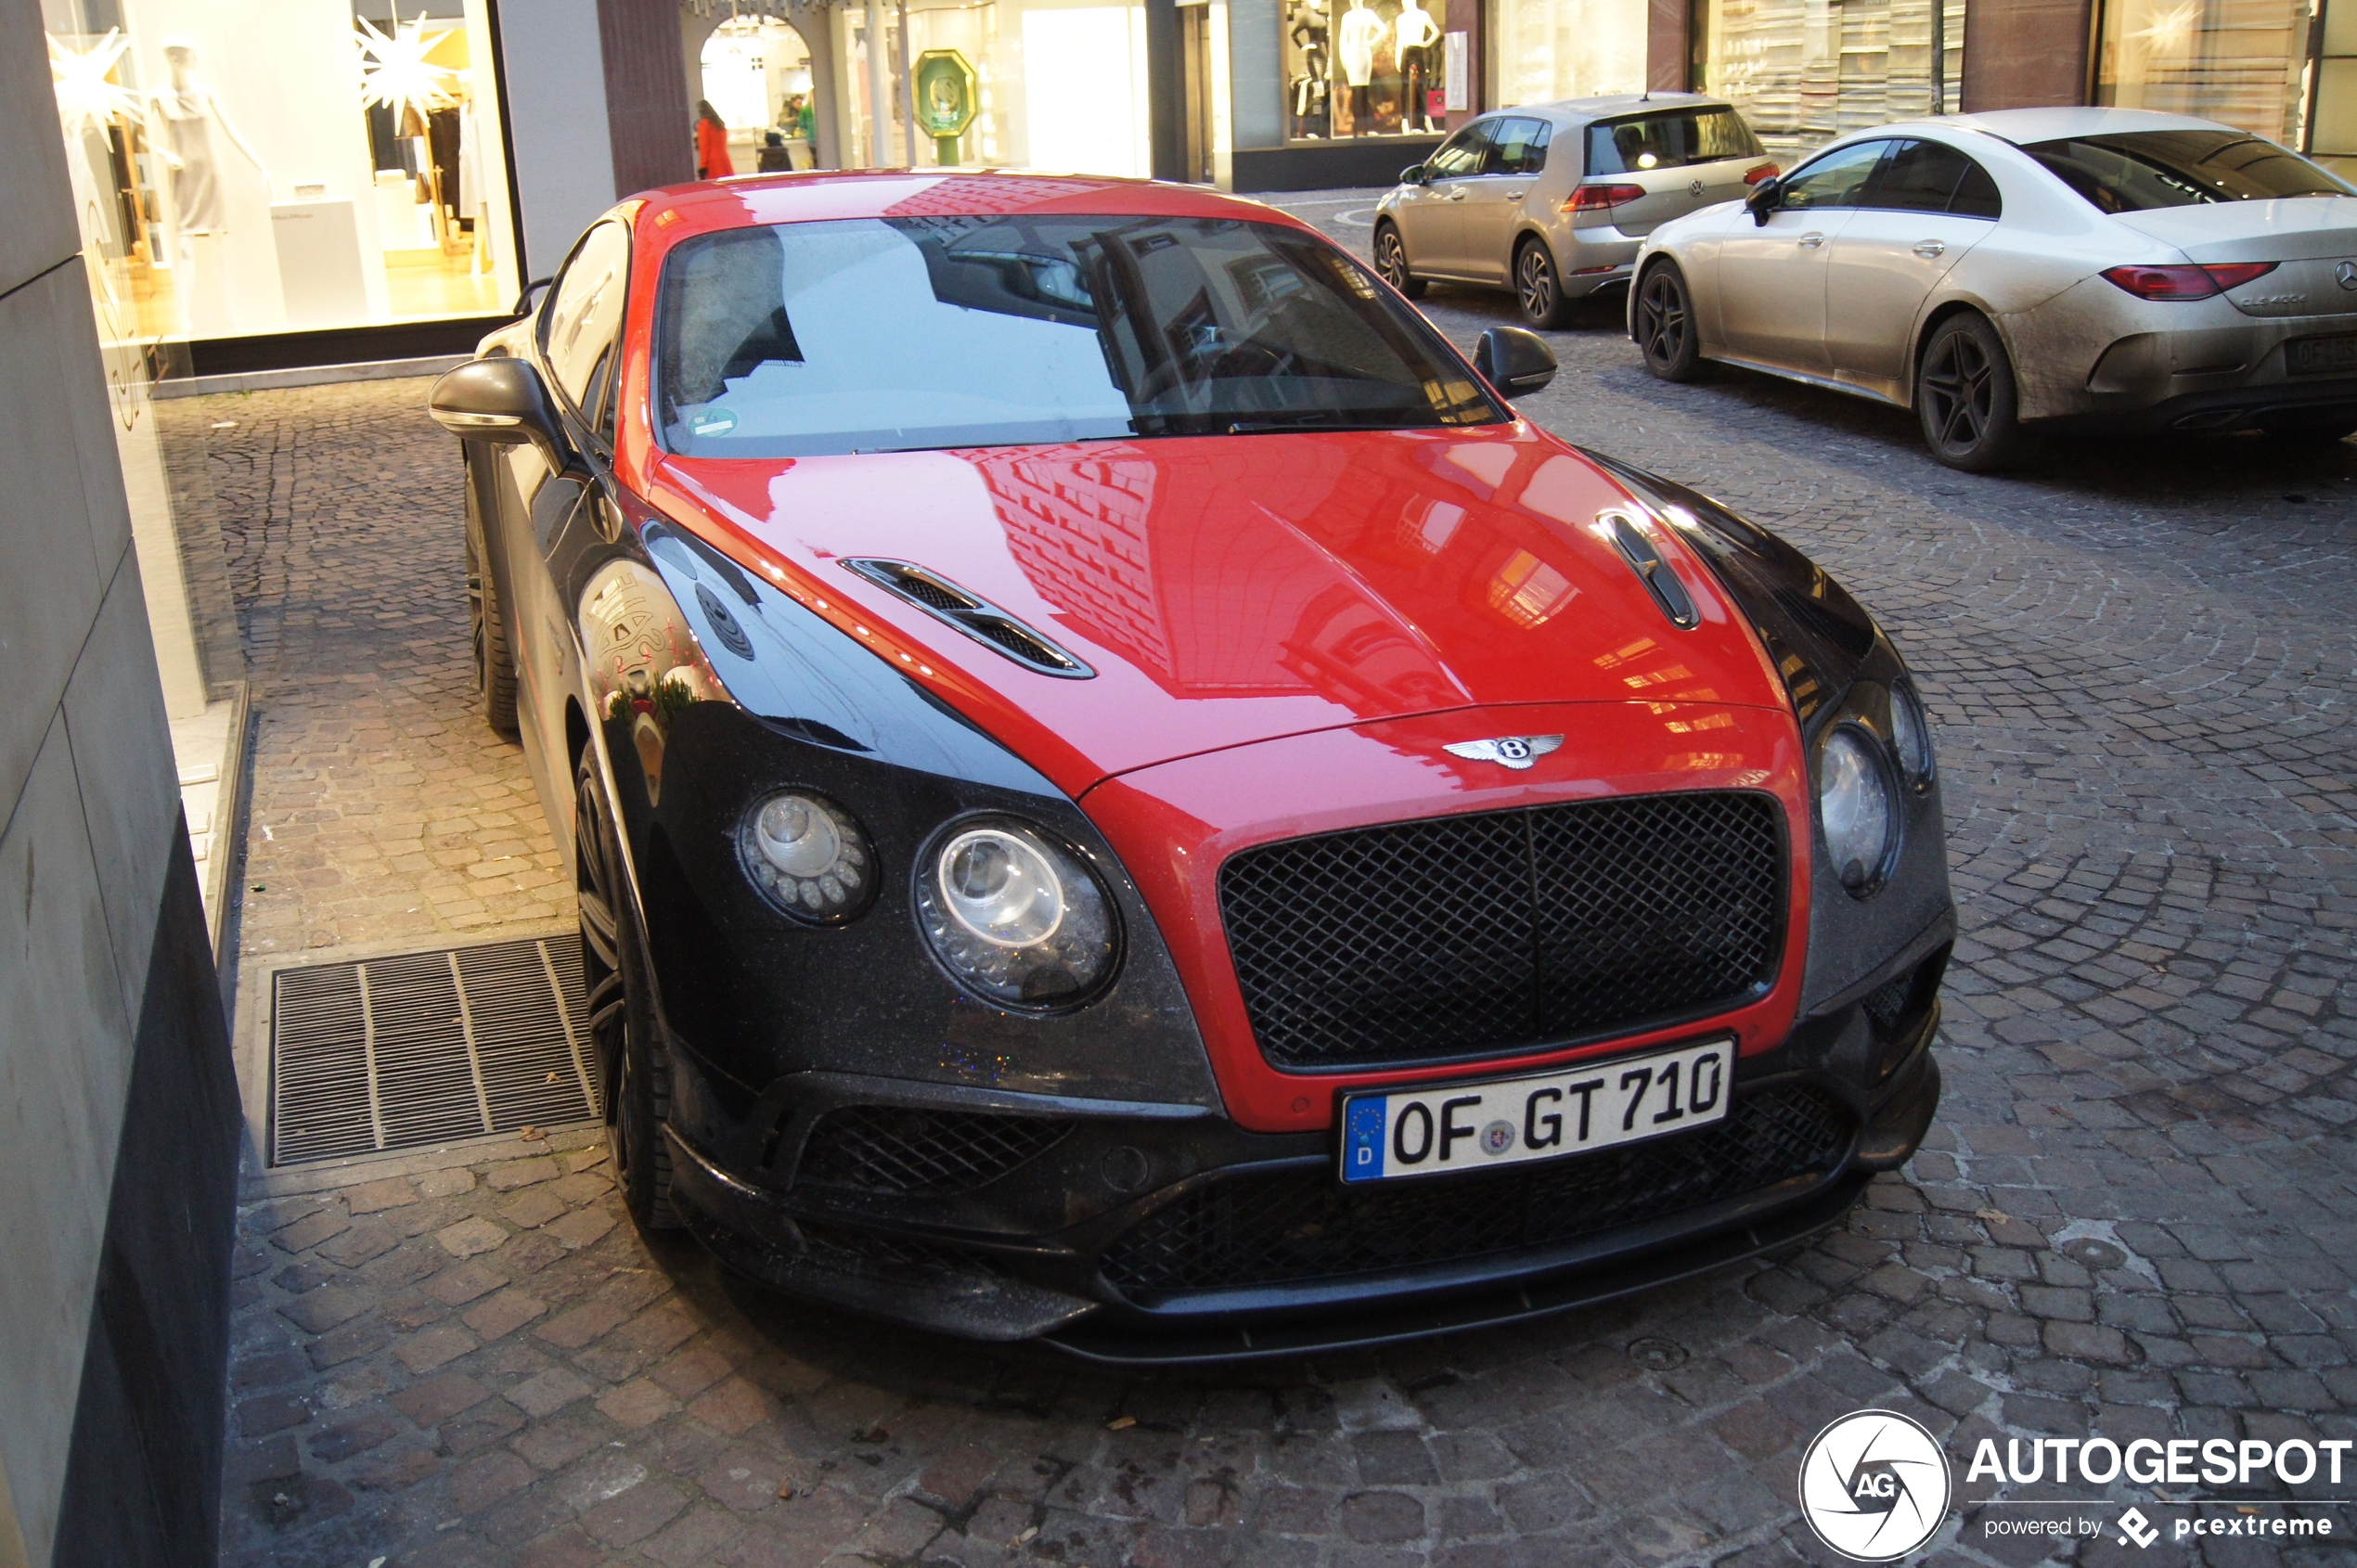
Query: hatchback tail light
x,y
2187,283
1597,199
1763,172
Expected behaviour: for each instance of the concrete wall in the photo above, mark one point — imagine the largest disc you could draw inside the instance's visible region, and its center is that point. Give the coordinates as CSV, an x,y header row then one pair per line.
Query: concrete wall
x,y
555,74
113,1272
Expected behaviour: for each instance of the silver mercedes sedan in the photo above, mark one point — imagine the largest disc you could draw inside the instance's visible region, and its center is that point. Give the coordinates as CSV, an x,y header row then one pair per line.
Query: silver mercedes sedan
x,y
1553,200
2025,271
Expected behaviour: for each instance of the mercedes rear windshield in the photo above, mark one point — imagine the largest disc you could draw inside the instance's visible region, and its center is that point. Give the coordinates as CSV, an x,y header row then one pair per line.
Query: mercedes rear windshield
x,y
899,334
2138,171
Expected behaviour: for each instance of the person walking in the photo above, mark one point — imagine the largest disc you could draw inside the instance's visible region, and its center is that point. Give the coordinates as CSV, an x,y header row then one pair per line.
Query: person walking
x,y
712,143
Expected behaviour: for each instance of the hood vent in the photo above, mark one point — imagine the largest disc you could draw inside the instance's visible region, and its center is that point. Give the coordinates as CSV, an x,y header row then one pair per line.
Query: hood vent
x,y
977,618
1654,573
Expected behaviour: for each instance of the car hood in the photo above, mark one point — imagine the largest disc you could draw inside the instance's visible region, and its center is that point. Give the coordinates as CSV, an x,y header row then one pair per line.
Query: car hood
x,y
1227,590
2295,229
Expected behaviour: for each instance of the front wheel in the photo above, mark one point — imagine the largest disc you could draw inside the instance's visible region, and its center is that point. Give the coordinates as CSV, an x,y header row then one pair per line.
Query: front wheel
x,y
1536,289
631,1063
1391,260
1966,397
487,631
1664,324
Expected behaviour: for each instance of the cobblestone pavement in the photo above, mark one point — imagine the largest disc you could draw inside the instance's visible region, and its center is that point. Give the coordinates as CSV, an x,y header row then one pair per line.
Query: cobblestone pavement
x,y
2136,1217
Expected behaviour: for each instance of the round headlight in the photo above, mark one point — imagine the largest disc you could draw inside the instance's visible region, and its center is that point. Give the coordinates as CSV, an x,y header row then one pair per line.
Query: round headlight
x,y
1910,736
1015,916
807,856
1854,802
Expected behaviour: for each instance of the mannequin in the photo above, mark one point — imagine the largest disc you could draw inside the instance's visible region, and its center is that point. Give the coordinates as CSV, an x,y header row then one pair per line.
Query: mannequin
x,y
1362,31
180,121
1312,85
1412,37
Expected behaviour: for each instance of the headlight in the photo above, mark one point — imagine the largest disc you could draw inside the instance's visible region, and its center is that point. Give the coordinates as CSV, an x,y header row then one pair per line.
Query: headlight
x,y
1854,802
807,856
1017,918
1910,736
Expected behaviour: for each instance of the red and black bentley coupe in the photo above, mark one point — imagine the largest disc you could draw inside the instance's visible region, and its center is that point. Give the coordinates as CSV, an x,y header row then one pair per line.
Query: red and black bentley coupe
x,y
1121,795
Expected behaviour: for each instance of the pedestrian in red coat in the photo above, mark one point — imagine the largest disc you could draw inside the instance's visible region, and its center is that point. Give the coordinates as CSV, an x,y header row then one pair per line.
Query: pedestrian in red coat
x,y
712,143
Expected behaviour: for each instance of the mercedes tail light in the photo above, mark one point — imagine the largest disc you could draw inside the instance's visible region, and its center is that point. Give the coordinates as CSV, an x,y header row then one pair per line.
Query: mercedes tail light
x,y
1599,198
2187,282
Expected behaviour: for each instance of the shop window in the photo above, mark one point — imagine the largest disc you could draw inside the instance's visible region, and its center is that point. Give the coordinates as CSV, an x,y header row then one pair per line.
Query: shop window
x,y
1362,68
259,166
756,77
1549,49
2237,61
2332,117
1804,71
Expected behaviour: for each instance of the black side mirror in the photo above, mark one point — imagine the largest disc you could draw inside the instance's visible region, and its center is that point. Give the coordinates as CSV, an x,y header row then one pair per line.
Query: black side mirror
x,y
1412,175
1765,198
530,297
1514,361
502,401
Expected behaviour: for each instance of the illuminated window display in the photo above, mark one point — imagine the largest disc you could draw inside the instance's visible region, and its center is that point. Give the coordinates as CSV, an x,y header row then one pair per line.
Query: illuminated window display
x,y
756,73
1055,87
1804,71
2238,61
1362,67
258,166
1549,49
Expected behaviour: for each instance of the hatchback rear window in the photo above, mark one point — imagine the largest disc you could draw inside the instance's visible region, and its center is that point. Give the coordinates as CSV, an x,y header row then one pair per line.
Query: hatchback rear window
x,y
899,334
2138,171
1668,140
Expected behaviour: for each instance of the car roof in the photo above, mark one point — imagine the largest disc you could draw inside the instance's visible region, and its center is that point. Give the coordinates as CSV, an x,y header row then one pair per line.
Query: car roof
x,y
1578,111
2023,125
745,200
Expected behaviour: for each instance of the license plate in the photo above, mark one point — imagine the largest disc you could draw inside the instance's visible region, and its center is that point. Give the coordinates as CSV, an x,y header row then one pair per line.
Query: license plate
x,y
1464,1127
2317,357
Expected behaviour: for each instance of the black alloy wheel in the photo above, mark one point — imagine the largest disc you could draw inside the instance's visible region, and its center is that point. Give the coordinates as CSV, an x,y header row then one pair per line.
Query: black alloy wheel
x,y
1536,289
487,632
1665,325
1965,395
1391,260
633,1073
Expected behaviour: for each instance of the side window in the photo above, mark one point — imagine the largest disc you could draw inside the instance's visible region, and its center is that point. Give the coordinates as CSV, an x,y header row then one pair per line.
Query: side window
x,y
1976,194
1916,177
1462,153
581,323
1521,146
1833,180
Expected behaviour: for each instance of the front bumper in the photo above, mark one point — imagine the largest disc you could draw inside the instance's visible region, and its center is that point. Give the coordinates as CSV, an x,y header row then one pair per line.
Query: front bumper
x,y
1178,1237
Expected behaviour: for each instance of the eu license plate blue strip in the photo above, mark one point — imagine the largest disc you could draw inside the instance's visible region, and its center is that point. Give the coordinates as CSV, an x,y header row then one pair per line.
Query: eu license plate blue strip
x,y
1362,1136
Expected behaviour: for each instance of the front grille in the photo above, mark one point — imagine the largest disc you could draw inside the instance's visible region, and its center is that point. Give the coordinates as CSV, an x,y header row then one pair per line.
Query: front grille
x,y
922,1153
1467,935
1297,1225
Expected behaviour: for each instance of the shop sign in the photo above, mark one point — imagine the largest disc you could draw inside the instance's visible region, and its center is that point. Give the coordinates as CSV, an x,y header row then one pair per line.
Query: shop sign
x,y
947,97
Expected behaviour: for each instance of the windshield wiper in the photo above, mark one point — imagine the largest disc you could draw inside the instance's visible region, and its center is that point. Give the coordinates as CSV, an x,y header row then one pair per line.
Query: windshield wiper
x,y
1288,427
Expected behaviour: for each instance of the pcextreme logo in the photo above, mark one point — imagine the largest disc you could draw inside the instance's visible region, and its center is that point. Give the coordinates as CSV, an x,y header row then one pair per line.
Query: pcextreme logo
x,y
1875,1486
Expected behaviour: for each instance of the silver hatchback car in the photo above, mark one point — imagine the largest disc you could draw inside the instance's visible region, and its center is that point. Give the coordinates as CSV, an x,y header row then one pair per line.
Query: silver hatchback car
x,y
1553,200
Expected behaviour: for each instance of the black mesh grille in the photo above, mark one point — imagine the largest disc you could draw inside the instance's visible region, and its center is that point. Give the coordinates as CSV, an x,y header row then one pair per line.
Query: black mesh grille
x,y
1298,1225
918,1154
1018,641
1465,935
931,592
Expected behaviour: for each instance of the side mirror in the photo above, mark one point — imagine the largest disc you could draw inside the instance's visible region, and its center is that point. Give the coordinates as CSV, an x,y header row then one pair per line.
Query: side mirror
x,y
1412,175
1514,361
502,401
531,295
1765,198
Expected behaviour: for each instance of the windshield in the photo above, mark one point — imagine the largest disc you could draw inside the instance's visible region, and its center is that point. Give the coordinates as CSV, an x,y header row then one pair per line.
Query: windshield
x,y
895,334
2141,169
1669,140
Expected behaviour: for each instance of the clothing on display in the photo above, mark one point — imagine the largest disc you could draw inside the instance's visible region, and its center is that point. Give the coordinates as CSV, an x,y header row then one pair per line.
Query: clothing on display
x,y
1414,37
1367,69
182,117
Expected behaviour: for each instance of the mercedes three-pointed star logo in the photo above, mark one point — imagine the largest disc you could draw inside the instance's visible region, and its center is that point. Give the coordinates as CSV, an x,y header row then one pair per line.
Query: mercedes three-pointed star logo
x,y
2347,273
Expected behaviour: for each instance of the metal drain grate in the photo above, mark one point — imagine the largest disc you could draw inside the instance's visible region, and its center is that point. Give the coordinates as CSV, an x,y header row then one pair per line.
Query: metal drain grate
x,y
424,1048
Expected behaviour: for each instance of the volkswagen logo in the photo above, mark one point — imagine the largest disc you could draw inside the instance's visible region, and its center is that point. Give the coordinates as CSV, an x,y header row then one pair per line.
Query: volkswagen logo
x,y
2347,273
1695,189
1875,1486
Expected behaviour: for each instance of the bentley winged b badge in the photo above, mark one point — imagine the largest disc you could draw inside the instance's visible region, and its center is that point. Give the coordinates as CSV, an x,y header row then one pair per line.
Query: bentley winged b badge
x,y
1517,751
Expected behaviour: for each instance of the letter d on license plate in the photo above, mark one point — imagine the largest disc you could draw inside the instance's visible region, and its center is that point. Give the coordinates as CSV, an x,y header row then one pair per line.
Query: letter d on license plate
x,y
1590,1105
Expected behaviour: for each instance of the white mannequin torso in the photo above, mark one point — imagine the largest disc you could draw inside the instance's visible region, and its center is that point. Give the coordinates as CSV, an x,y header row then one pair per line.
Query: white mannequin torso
x,y
1360,30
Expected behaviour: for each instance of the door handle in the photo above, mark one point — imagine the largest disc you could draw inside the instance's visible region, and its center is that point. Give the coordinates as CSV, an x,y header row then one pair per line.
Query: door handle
x,y
1810,241
1514,195
1928,249
1457,194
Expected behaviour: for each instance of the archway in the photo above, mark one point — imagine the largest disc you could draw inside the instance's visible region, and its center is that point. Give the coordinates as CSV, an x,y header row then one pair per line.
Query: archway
x,y
753,58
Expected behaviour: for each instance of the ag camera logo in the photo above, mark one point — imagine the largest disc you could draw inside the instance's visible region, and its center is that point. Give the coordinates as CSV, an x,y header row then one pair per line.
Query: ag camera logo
x,y
1875,1486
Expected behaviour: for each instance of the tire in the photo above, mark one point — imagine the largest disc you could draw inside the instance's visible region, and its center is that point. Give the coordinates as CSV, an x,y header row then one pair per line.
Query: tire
x,y
1966,397
633,1072
1391,260
487,630
1662,320
1536,288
